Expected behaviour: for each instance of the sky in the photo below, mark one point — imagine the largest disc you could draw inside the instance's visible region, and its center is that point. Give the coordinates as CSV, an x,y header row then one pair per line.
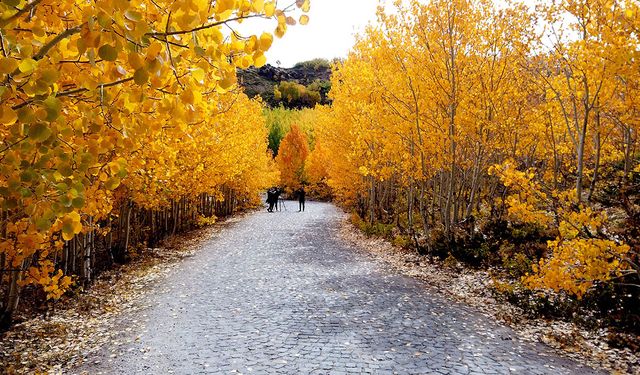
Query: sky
x,y
330,32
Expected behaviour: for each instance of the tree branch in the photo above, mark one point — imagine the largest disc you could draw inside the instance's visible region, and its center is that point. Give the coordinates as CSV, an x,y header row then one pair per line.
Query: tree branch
x,y
63,35
27,8
203,27
103,85
13,144
77,91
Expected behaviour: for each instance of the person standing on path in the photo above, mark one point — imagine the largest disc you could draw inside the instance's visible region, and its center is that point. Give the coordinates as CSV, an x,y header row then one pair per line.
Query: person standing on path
x,y
271,199
276,198
301,198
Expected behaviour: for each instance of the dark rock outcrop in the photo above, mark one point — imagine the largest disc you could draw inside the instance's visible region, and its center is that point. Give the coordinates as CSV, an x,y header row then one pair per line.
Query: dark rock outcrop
x,y
261,81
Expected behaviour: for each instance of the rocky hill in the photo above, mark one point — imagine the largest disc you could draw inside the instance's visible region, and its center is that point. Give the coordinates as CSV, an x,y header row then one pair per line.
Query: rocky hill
x,y
261,81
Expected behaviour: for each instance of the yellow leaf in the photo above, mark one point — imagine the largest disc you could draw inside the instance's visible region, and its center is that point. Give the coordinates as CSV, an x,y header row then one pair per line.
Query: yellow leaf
x,y
7,115
8,65
198,75
67,235
133,15
227,81
257,6
269,9
281,30
187,96
266,40
135,61
71,225
225,5
246,61
259,60
153,50
27,65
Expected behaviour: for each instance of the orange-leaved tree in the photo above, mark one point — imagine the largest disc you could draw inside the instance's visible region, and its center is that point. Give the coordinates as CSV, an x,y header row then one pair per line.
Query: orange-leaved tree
x,y
291,158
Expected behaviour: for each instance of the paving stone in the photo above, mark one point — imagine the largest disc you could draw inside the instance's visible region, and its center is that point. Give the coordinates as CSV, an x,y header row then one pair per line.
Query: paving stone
x,y
280,293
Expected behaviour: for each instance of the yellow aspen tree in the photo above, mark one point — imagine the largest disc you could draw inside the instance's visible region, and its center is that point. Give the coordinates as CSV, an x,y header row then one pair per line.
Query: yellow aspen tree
x,y
87,85
449,114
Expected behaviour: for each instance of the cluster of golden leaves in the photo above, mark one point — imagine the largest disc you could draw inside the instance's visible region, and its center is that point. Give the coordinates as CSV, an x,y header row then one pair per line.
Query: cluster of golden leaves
x,y
581,255
138,96
439,98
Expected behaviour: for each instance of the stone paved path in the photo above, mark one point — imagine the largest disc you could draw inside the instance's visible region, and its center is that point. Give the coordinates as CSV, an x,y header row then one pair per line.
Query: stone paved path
x,y
280,293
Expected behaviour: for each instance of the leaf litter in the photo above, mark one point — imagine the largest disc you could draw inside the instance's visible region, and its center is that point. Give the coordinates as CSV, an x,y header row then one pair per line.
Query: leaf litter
x,y
474,288
82,324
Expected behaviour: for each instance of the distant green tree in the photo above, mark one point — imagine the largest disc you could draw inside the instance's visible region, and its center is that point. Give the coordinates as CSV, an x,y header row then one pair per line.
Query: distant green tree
x,y
315,64
323,87
294,95
279,121
275,137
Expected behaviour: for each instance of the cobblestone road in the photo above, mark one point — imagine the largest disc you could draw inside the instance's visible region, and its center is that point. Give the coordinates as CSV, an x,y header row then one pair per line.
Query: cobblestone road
x,y
280,293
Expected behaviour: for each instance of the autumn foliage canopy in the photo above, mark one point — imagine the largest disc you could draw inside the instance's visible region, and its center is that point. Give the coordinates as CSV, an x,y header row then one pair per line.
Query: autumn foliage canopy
x,y
115,111
451,118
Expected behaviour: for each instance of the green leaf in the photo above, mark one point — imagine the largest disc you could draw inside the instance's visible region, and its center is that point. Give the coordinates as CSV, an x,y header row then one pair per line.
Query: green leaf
x,y
65,169
53,107
28,175
112,183
78,185
66,201
140,76
108,52
10,203
26,114
77,202
104,20
67,230
49,76
43,224
12,3
133,15
39,132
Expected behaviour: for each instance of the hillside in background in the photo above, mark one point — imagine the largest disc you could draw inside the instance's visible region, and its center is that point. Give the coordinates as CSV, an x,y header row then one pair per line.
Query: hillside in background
x,y
298,86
